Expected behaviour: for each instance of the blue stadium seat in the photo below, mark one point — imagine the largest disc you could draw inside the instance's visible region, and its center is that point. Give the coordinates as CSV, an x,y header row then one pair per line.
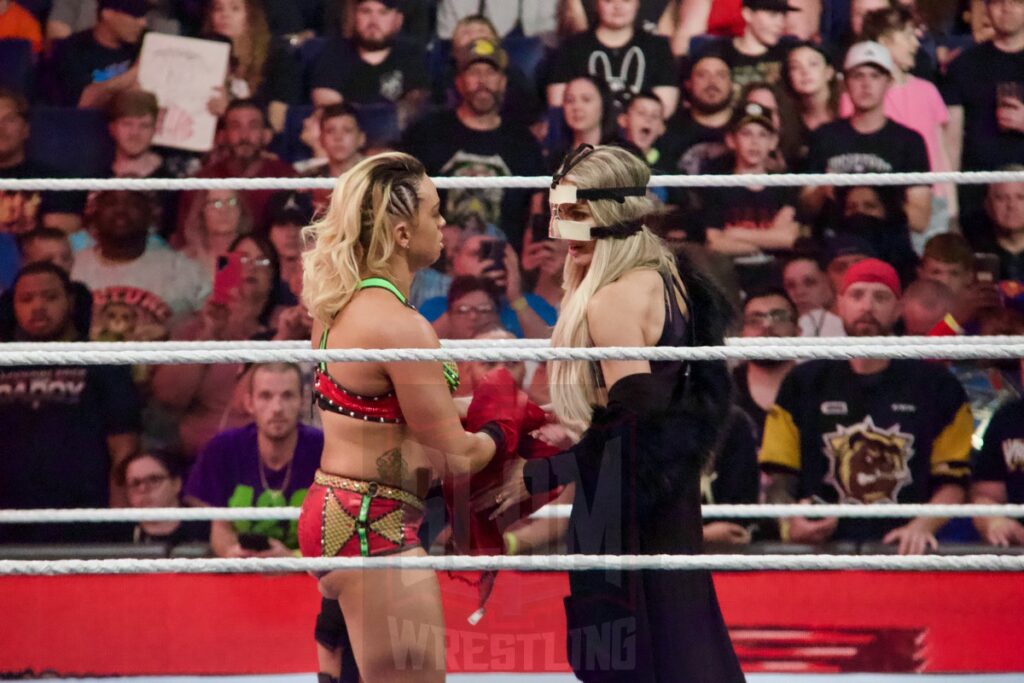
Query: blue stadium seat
x,y
72,141
380,123
308,53
287,144
525,52
16,58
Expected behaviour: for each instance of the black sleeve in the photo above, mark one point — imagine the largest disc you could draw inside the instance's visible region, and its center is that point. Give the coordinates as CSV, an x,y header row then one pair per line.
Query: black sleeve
x,y
415,69
816,153
563,63
737,478
987,462
330,70
712,214
282,77
72,77
662,64
916,159
121,407
954,84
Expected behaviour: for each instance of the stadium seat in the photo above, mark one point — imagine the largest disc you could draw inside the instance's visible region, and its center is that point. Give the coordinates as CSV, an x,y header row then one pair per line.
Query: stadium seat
x,y
72,141
380,123
288,144
16,58
526,53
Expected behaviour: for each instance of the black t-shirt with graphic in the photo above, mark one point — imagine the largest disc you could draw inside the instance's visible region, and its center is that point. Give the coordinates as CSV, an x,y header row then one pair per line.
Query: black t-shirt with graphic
x,y
742,207
889,437
23,211
81,61
448,148
55,422
731,477
970,83
691,145
1001,456
643,63
341,68
837,147
745,69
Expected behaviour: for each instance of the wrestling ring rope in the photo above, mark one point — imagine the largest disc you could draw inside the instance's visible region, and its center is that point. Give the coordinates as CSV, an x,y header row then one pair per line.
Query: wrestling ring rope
x,y
948,348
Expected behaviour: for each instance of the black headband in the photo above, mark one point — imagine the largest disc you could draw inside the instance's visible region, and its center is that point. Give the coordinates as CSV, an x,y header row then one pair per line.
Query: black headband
x,y
617,194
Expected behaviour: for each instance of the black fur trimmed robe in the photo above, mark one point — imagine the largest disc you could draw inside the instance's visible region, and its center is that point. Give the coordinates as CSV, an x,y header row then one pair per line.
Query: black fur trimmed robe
x,y
637,471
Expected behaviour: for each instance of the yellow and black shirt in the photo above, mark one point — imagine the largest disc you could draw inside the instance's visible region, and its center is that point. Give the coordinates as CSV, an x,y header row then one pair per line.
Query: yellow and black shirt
x,y
1001,457
889,437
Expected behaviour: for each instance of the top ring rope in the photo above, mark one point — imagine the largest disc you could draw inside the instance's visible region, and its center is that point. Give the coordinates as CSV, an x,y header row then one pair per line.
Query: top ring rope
x,y
519,182
978,349
116,347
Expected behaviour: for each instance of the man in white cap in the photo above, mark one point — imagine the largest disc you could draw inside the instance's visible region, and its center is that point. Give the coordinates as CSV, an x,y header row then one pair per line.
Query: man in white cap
x,y
868,141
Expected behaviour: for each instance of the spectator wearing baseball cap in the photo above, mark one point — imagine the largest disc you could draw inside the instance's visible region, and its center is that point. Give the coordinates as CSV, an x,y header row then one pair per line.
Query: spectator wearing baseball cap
x,y
747,222
374,65
94,65
758,54
868,431
473,139
868,141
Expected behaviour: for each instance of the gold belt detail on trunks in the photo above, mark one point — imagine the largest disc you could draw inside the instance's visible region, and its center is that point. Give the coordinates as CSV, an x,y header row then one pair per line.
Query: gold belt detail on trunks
x,y
372,489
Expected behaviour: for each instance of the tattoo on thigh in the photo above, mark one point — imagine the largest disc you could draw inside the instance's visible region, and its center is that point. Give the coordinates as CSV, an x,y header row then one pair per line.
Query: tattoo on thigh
x,y
391,466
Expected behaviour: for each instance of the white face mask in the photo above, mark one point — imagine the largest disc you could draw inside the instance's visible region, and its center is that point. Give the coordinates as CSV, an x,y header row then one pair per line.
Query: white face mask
x,y
561,229
586,231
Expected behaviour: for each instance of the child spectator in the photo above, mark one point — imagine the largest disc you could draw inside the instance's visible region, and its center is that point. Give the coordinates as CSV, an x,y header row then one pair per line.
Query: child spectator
x,y
757,55
616,51
748,221
642,125
342,141
811,81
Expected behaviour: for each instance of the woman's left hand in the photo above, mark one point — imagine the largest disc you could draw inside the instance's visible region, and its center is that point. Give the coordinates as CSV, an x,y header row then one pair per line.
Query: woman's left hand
x,y
513,278
510,493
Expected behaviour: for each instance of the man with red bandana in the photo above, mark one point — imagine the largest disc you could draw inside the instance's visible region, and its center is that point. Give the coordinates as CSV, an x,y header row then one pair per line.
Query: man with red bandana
x,y
868,430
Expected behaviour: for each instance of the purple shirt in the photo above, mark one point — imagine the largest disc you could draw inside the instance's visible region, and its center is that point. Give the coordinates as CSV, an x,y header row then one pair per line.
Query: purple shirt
x,y
227,473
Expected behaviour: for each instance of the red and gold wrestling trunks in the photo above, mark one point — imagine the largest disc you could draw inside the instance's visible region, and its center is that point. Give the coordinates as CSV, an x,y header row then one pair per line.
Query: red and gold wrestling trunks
x,y
344,517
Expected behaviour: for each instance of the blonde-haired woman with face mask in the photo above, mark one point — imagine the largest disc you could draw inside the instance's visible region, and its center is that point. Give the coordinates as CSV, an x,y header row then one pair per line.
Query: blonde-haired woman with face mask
x,y
648,429
390,429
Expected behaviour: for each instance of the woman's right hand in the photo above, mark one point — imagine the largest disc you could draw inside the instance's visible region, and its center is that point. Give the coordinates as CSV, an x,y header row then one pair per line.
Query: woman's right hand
x,y
213,321
218,102
509,494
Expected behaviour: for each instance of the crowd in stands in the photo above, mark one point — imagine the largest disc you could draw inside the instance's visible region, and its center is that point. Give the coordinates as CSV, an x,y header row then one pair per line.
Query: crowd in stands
x,y
487,88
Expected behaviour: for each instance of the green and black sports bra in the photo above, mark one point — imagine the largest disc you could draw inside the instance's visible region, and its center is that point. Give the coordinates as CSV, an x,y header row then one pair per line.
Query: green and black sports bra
x,y
333,397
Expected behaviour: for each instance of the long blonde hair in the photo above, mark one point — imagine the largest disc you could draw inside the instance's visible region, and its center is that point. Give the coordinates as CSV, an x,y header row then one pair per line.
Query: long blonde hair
x,y
353,239
573,383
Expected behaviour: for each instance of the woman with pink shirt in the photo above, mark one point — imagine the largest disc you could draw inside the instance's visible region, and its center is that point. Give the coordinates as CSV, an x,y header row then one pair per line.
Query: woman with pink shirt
x,y
915,103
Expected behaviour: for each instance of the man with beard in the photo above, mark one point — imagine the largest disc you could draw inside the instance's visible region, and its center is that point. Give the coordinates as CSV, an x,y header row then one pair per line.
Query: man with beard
x,y
373,65
696,133
65,428
267,463
474,140
245,135
868,430
161,285
767,313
